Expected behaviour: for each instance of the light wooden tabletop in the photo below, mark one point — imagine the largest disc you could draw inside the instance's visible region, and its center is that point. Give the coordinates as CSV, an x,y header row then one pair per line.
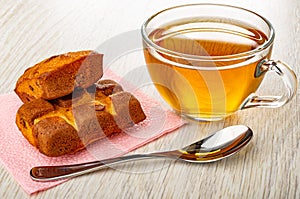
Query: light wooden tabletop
x,y
268,168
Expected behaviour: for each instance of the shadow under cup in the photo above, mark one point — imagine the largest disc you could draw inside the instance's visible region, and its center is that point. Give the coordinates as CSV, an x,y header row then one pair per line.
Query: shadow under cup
x,y
207,60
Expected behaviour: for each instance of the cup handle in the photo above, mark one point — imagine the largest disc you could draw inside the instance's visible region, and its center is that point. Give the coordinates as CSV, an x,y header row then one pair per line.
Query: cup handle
x,y
289,79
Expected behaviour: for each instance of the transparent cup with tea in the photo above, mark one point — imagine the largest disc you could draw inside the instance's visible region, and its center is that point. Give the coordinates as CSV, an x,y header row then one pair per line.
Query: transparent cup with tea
x,y
208,60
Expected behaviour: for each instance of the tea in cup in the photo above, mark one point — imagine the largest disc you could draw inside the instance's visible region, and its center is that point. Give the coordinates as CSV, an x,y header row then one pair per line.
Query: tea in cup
x,y
207,60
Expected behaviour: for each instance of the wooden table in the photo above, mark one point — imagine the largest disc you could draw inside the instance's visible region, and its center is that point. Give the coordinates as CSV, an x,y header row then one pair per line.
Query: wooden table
x,y
268,168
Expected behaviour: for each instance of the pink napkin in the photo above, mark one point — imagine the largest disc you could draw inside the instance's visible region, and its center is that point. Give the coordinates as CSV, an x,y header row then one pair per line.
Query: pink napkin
x,y
18,156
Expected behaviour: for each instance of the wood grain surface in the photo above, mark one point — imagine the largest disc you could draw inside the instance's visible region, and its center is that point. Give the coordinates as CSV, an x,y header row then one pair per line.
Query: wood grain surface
x,y
269,167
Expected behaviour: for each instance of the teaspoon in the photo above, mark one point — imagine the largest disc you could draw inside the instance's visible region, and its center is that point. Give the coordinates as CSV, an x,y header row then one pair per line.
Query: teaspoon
x,y
217,146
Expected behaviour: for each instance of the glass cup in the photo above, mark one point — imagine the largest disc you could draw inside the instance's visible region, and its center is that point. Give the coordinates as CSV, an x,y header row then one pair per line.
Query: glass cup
x,y
208,60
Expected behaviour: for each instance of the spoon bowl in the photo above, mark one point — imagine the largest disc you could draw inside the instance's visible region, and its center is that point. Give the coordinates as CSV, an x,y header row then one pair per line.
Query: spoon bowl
x,y
216,146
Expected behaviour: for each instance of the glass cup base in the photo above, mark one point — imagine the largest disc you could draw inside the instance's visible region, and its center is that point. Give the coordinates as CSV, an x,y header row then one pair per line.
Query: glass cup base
x,y
203,117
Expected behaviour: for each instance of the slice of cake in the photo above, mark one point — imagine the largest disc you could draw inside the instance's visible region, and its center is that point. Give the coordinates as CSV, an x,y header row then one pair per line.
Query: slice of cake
x,y
68,124
58,75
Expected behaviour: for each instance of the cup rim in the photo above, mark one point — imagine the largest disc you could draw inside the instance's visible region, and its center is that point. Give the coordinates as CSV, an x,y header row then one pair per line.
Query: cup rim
x,y
262,47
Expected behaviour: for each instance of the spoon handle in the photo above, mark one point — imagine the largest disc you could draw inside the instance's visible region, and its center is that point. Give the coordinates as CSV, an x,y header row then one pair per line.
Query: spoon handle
x,y
51,173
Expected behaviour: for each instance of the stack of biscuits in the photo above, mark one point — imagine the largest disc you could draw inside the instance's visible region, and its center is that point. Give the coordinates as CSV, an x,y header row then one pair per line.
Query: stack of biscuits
x,y
68,106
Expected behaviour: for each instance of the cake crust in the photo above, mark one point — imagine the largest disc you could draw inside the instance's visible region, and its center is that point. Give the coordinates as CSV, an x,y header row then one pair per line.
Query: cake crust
x,y
55,137
28,113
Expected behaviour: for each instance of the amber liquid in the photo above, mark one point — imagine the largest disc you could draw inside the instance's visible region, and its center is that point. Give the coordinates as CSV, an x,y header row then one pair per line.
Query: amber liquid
x,y
205,88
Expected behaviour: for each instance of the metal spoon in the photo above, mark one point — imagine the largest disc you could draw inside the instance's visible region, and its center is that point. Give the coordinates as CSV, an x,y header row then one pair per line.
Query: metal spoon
x,y
215,147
